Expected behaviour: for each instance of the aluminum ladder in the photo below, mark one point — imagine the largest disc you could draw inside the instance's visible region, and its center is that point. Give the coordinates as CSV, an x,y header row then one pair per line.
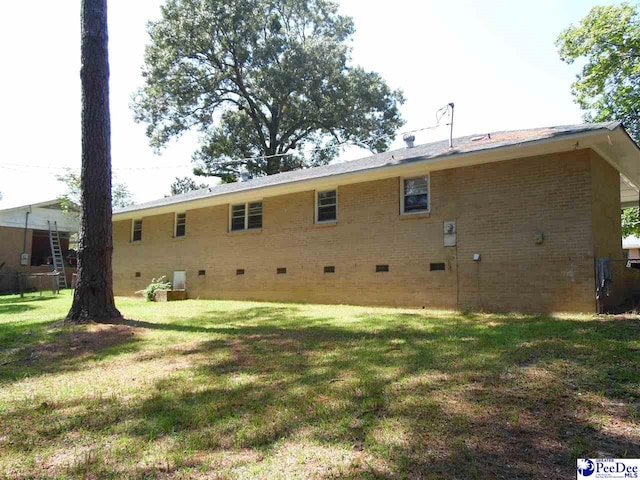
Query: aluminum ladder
x,y
56,254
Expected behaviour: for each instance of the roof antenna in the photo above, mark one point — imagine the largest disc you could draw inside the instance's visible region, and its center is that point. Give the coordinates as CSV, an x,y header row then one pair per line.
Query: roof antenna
x,y
451,106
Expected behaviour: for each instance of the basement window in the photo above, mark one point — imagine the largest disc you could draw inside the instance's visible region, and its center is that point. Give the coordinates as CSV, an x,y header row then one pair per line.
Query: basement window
x,y
202,273
181,224
414,197
136,230
382,268
240,271
327,206
281,271
330,269
436,267
245,216
138,274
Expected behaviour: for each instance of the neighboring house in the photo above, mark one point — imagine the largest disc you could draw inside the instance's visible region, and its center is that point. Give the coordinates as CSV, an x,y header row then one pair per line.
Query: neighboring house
x,y
511,221
24,237
631,246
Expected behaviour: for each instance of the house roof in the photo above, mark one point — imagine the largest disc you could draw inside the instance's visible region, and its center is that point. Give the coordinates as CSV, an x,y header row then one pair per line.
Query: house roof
x,y
471,144
37,215
631,242
46,204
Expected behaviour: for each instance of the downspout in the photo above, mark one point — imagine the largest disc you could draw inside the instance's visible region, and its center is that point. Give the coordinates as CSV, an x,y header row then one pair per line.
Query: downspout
x,y
26,225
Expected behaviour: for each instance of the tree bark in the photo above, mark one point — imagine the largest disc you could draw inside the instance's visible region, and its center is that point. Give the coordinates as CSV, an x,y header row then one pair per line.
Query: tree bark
x,y
93,297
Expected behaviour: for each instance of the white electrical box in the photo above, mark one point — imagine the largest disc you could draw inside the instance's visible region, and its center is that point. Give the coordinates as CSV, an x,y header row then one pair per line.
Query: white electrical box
x,y
450,233
24,259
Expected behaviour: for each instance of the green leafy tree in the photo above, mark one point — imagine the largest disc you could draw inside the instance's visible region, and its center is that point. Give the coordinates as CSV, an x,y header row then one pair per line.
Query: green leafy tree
x,y
184,185
267,78
120,195
630,222
608,41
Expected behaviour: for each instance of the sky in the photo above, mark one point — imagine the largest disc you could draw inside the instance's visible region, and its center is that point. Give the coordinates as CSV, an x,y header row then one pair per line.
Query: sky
x,y
495,59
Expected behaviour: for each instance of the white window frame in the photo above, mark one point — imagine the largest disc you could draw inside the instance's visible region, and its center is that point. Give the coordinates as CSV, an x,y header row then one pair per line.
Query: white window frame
x,y
246,216
175,225
133,227
317,205
416,212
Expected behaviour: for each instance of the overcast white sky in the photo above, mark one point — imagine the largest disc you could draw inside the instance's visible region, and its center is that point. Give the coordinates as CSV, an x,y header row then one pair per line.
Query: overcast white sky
x,y
495,59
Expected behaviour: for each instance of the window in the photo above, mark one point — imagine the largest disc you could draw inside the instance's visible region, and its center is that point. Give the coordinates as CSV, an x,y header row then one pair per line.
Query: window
x,y
136,233
181,224
415,195
437,267
281,270
382,268
240,271
330,269
202,273
327,206
246,216
138,274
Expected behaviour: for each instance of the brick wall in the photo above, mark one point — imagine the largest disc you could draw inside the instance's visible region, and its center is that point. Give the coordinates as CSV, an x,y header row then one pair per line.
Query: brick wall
x,y
11,246
499,209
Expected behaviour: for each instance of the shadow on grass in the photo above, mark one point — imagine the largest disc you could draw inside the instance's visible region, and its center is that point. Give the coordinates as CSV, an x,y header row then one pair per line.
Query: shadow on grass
x,y
399,395
15,299
32,343
13,308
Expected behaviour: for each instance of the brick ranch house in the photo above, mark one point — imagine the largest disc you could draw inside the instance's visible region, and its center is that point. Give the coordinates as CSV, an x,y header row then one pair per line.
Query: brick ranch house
x,y
24,240
511,221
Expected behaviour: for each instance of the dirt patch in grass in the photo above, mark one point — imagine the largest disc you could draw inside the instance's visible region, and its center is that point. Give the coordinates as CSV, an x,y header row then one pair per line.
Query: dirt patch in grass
x,y
91,339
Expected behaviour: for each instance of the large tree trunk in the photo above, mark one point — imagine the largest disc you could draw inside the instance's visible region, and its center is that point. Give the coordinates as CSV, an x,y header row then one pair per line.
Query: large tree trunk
x,y
93,297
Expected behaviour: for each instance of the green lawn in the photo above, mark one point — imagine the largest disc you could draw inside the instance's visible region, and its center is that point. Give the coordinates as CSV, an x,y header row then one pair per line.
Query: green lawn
x,y
213,389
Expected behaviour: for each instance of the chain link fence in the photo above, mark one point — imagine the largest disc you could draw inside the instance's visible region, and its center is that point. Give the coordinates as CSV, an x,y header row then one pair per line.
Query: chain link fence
x,y
21,283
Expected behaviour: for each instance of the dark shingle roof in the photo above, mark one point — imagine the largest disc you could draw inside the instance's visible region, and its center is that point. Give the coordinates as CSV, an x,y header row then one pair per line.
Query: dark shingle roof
x,y
471,143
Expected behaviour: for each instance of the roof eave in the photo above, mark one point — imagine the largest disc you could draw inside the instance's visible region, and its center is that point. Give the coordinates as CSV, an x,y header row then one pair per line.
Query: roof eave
x,y
409,166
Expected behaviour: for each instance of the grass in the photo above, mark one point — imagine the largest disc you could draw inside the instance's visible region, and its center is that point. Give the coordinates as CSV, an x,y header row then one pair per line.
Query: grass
x,y
221,389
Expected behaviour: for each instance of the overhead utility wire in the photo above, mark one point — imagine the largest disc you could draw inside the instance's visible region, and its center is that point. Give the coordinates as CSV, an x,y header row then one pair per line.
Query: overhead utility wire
x,y
19,167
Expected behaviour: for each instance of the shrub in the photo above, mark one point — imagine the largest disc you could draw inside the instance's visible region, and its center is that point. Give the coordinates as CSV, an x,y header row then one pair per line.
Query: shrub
x,y
156,284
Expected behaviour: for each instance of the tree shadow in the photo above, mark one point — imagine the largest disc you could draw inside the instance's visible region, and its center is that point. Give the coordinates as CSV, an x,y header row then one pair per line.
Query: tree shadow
x,y
400,395
14,308
49,351
14,299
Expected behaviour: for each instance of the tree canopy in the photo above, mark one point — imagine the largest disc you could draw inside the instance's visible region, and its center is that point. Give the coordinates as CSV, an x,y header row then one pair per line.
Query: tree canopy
x,y
120,195
184,185
630,222
608,41
261,78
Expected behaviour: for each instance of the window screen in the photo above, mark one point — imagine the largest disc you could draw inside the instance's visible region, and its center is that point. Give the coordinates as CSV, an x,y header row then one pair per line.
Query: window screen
x,y
246,216
327,206
416,194
181,224
237,217
137,231
254,218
